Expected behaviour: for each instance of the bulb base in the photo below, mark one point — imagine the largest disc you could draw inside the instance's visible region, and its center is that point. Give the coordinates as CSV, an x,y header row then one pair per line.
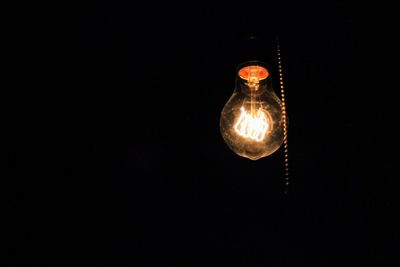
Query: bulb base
x,y
253,72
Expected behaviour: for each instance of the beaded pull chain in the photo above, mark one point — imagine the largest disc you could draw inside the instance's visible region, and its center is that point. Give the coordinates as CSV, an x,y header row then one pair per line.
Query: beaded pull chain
x,y
284,118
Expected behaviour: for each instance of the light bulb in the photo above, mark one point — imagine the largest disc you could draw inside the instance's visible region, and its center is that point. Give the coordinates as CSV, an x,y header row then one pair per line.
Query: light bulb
x,y
251,121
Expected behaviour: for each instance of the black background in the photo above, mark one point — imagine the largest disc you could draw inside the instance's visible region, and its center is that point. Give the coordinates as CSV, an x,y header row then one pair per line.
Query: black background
x,y
137,173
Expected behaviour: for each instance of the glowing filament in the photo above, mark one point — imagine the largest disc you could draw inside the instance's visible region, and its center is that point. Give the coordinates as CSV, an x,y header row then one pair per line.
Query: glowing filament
x,y
254,125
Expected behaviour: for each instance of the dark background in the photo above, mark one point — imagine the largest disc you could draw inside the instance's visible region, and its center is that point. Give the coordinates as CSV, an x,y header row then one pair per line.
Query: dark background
x,y
137,173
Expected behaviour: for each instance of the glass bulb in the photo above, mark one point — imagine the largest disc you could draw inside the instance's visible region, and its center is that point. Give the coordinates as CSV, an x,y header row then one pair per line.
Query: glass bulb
x,y
251,121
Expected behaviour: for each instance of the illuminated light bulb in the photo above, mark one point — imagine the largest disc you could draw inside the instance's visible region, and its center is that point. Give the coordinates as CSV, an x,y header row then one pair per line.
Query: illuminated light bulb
x,y
251,121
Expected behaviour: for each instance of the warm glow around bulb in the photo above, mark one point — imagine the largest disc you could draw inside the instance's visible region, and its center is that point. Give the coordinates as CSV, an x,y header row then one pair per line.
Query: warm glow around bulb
x,y
253,125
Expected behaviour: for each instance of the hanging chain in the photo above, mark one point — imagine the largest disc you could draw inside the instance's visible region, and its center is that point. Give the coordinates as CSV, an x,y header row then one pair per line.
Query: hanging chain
x,y
284,117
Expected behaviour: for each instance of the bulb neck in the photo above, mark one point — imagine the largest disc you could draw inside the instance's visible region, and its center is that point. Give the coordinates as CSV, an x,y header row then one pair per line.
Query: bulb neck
x,y
253,87
253,78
